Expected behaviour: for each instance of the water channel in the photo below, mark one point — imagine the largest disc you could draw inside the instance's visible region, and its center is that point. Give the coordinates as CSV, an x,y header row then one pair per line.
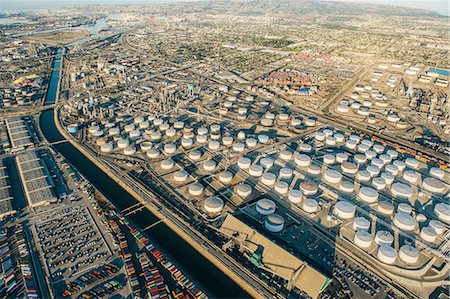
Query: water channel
x,y
198,267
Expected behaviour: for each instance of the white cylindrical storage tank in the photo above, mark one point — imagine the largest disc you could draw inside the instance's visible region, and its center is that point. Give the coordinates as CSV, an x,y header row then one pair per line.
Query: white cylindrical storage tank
x,y
411,176
171,132
286,155
157,122
170,148
226,177
385,208
383,237
438,173
268,179
379,183
339,137
180,176
202,139
363,176
178,125
238,147
409,254
310,205
347,186
309,188
387,254
202,131
241,135
371,154
114,131
361,223
195,155
373,170
209,165
295,196
378,148
266,162
274,223
244,163
195,189
215,128
243,190
363,148
331,141
351,144
100,141
333,176
368,194
385,158
328,132
401,190
251,142
296,121
437,225
392,153
348,167
305,148
155,136
285,173
213,204
329,159
135,134
314,169
153,153
129,150
265,206
282,187
256,170
106,148
123,143
412,163
428,234
404,222
360,158
341,157
344,209
400,165
302,160
310,122
320,136
167,164
227,140
129,128
145,146
388,177
214,145
94,129
442,210
404,208
391,168
187,142
433,185
263,138
377,162
362,239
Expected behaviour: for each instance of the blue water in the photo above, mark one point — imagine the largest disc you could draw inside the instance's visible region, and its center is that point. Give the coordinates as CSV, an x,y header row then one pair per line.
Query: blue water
x,y
54,78
439,71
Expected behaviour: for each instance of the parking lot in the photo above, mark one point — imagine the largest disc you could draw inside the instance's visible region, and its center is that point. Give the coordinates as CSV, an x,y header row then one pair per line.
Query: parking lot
x,y
70,241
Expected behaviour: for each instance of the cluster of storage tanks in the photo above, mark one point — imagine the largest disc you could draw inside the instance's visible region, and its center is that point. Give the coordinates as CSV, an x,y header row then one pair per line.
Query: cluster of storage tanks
x,y
154,136
387,183
377,177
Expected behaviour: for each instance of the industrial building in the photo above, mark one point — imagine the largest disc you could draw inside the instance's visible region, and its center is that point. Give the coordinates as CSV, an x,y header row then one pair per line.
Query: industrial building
x,y
6,197
18,133
274,258
36,180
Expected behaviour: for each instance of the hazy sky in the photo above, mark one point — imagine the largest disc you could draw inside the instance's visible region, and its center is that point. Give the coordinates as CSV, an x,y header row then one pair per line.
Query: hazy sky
x,y
440,6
